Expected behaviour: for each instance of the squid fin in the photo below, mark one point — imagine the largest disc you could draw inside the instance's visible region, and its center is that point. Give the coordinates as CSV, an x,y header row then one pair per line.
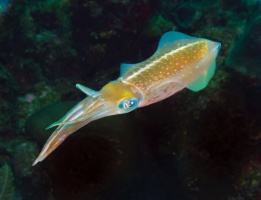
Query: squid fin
x,y
171,37
202,81
126,67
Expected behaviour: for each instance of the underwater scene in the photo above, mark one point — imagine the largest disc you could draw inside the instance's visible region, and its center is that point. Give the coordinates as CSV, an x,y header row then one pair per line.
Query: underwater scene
x,y
130,100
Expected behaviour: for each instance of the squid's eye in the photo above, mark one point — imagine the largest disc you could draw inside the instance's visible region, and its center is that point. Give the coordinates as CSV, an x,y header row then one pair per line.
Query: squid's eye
x,y
128,104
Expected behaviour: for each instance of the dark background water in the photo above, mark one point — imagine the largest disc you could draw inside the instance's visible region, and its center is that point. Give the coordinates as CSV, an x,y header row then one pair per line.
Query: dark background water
x,y
191,146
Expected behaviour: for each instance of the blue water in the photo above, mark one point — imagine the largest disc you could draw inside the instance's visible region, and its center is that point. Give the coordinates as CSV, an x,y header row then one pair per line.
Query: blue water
x,y
4,5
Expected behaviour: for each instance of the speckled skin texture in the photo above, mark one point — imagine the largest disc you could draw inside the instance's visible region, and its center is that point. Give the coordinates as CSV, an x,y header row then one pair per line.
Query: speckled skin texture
x,y
170,69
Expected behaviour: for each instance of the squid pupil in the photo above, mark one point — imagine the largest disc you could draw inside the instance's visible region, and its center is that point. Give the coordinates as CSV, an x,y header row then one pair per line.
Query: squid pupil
x,y
128,104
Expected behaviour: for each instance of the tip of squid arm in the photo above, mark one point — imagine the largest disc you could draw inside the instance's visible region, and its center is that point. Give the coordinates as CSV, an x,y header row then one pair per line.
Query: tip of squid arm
x,y
62,122
53,142
66,126
52,125
66,119
72,121
57,137
58,123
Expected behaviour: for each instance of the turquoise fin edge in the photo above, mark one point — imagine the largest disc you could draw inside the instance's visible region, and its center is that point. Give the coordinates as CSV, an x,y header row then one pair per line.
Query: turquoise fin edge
x,y
202,81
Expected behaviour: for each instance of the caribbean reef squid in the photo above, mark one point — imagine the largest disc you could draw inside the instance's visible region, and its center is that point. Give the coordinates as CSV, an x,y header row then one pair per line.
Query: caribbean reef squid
x,y
180,61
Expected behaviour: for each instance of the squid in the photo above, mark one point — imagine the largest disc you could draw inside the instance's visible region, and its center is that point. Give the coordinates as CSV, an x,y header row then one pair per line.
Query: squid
x,y
180,61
